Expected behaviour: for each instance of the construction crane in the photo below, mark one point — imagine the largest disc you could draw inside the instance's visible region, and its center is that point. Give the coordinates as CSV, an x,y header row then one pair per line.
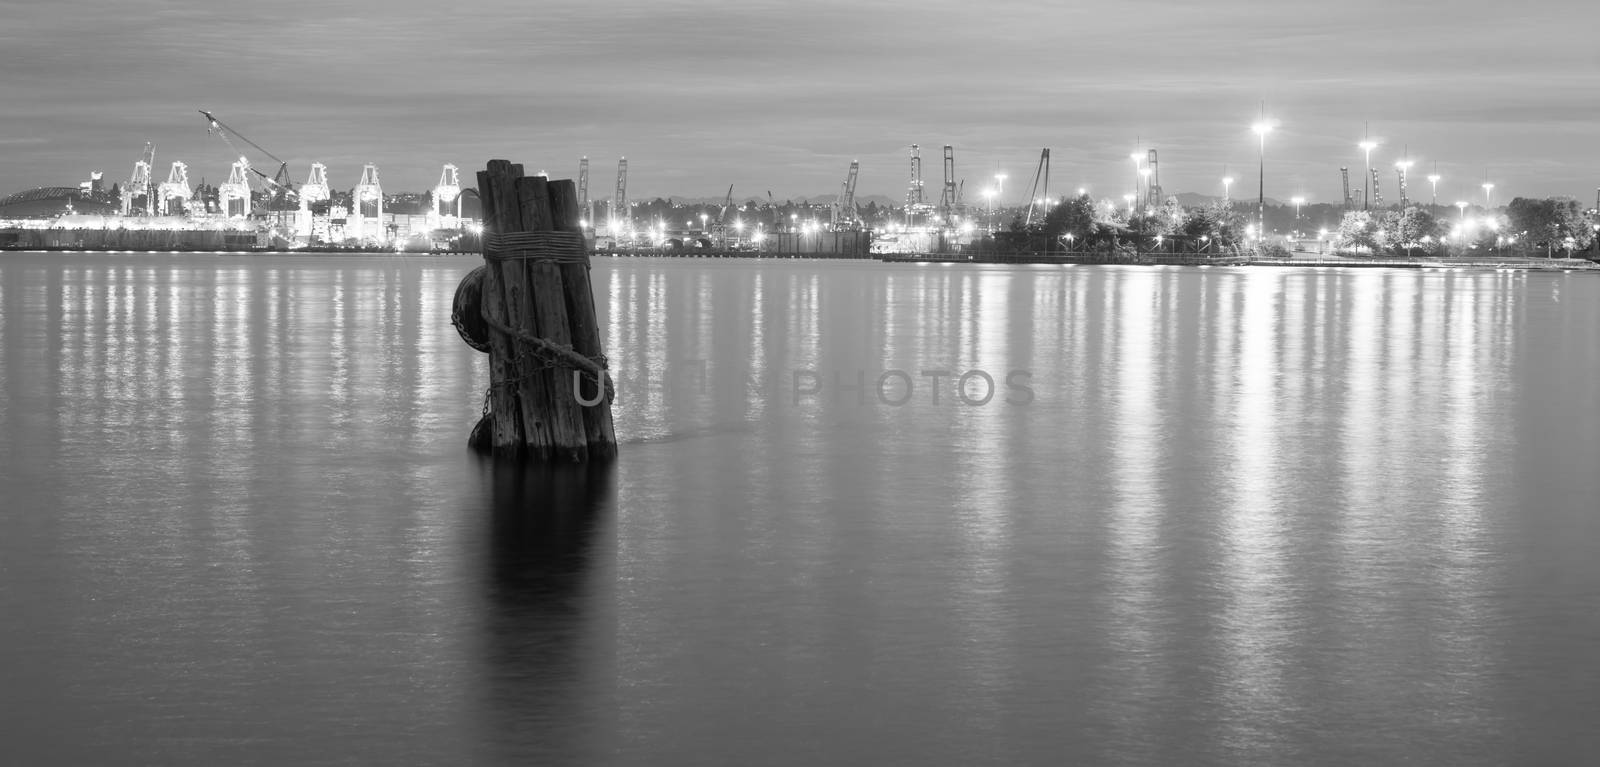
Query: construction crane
x,y
1377,195
1043,171
1344,174
282,189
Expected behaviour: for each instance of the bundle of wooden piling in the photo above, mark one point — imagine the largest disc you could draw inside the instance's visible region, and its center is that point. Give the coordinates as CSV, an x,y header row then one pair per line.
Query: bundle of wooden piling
x,y
531,307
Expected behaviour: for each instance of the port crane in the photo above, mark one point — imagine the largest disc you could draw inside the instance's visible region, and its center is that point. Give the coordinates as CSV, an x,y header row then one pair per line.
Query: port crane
x,y
947,198
719,230
141,185
282,189
845,216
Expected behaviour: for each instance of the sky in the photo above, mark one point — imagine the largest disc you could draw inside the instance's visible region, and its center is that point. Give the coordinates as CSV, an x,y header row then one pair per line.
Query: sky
x,y
781,96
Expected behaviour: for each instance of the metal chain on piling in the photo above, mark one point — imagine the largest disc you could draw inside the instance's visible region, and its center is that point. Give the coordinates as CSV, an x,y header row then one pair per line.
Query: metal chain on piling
x,y
542,354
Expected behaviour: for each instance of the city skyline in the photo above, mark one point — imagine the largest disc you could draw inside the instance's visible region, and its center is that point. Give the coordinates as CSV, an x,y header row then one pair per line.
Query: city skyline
x,y
773,97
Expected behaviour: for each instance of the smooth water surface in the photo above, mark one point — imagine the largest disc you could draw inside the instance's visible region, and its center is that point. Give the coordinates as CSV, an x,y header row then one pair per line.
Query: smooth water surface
x,y
1207,516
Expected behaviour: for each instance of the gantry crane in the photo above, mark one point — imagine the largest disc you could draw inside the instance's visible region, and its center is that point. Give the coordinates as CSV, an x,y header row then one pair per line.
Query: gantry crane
x,y
619,200
141,185
948,202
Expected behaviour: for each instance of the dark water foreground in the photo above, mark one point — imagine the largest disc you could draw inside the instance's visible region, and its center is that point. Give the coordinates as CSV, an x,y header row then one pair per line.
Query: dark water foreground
x,y
1239,516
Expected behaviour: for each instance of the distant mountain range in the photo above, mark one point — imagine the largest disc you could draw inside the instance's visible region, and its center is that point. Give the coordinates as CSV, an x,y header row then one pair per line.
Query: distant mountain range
x,y
820,199
1186,199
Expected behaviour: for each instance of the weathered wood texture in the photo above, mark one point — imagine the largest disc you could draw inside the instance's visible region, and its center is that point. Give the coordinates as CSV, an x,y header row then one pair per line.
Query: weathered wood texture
x,y
579,296
534,396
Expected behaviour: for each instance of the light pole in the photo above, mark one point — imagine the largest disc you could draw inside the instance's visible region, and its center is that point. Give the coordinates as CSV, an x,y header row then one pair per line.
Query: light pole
x,y
1130,198
1298,201
1227,197
988,195
1433,178
1262,128
1367,145
1135,158
1400,167
1487,188
1000,188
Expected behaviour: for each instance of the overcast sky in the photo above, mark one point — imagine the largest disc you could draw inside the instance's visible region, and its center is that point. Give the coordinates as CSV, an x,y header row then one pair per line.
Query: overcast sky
x,y
781,96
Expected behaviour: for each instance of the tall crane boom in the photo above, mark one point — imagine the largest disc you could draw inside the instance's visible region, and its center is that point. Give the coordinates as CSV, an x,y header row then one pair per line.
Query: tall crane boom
x,y
1042,172
947,197
1344,175
279,182
847,198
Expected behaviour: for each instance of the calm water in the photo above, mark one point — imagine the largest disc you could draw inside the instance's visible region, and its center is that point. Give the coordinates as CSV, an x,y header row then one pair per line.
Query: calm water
x,y
1269,516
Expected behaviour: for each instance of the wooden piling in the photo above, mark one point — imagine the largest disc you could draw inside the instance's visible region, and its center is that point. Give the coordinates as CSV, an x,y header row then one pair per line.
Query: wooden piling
x,y
581,314
539,307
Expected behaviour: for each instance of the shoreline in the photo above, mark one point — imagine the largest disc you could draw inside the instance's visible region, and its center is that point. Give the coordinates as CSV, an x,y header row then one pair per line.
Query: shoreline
x,y
1519,263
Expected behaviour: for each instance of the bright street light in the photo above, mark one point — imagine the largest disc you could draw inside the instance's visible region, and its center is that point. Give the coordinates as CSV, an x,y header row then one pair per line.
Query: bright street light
x,y
1227,183
1135,158
1298,201
1400,167
1262,128
1433,178
1487,188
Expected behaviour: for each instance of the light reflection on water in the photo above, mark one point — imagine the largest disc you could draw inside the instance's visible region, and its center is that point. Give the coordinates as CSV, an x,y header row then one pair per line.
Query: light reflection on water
x,y
1251,516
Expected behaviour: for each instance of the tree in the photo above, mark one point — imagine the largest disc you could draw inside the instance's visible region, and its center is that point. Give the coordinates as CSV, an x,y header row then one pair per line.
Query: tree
x,y
1358,231
1218,223
1074,217
1409,230
1555,223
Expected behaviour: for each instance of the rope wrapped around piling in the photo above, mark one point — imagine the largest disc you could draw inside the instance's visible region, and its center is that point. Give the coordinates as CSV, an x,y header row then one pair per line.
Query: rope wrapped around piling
x,y
546,247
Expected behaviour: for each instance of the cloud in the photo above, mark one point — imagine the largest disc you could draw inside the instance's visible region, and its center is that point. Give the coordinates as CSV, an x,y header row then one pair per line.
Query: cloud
x,y
781,95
